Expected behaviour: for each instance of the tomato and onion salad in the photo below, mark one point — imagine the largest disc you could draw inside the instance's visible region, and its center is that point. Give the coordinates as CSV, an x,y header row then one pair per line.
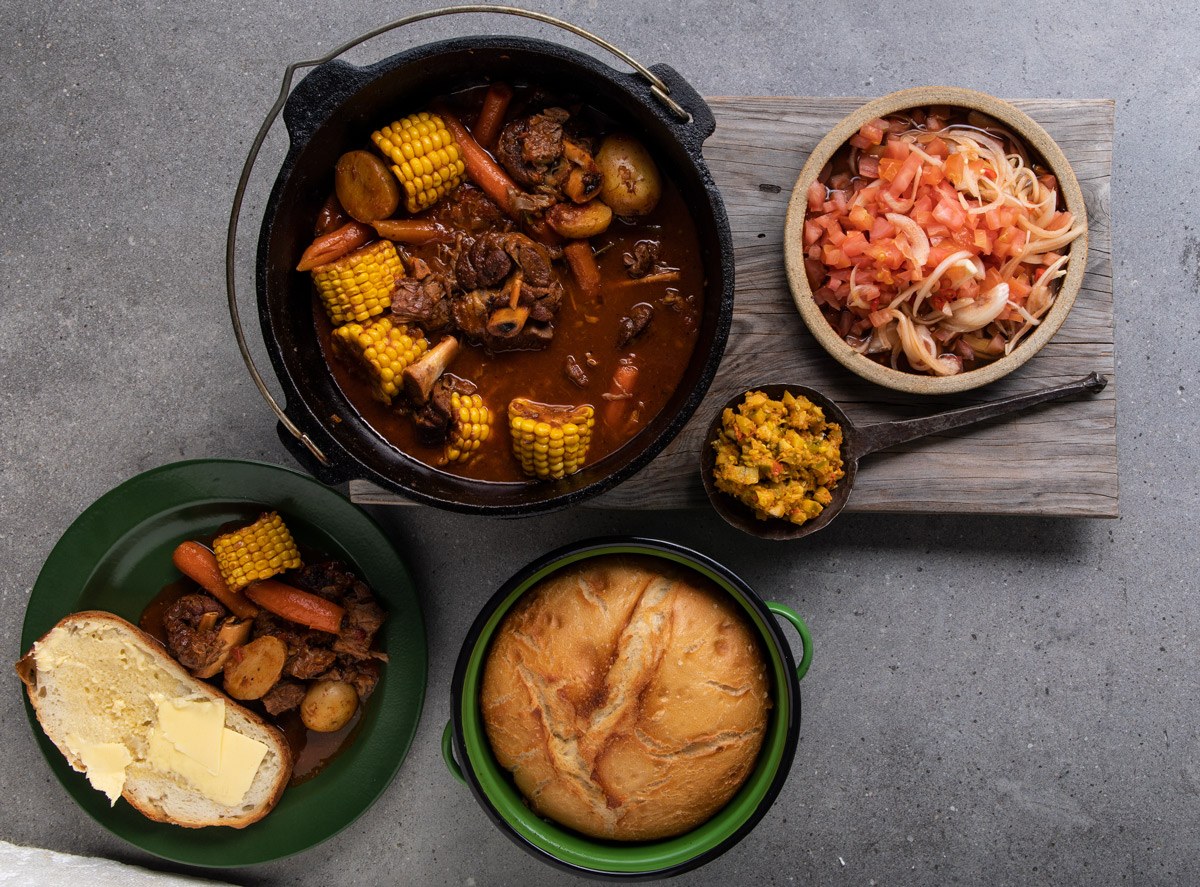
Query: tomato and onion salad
x,y
934,242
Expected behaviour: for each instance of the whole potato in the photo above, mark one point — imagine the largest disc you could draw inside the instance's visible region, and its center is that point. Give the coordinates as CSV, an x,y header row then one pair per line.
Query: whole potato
x,y
632,184
328,706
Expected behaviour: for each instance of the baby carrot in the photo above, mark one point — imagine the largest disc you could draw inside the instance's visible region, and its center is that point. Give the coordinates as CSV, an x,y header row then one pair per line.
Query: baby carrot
x,y
483,170
582,262
491,115
296,605
332,246
199,564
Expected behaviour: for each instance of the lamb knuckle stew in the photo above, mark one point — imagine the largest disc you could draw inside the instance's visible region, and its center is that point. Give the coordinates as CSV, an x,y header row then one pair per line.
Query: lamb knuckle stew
x,y
530,291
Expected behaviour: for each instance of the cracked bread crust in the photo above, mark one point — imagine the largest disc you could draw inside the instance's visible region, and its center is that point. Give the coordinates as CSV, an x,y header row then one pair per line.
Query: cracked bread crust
x,y
628,698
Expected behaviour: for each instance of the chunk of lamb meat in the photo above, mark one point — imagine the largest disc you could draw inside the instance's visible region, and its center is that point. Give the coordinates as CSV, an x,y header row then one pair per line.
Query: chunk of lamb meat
x,y
496,270
433,418
483,263
284,696
362,674
309,661
473,211
643,260
192,626
531,148
330,580
425,301
575,372
634,323
539,155
364,618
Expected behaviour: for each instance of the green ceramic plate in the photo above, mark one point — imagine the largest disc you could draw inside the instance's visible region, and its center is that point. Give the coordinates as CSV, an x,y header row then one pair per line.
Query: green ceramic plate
x,y
117,556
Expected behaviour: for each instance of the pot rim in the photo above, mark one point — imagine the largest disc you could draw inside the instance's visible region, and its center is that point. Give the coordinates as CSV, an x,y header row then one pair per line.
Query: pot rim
x,y
379,461
561,847
1035,137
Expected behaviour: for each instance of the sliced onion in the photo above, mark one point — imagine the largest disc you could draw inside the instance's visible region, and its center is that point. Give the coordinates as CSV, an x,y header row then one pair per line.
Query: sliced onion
x,y
918,240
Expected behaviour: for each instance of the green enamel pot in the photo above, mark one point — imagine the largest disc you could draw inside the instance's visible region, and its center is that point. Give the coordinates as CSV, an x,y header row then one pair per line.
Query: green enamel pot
x,y
469,756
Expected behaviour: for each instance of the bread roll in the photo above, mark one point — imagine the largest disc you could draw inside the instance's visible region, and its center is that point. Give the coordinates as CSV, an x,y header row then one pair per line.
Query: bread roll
x,y
123,711
628,699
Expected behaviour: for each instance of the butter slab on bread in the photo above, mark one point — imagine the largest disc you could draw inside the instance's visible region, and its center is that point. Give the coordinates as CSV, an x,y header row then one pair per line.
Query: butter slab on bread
x,y
121,710
629,699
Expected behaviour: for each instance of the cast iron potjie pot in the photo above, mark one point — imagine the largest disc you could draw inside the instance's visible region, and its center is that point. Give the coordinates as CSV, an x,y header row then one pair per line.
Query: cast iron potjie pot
x,y
469,756
333,110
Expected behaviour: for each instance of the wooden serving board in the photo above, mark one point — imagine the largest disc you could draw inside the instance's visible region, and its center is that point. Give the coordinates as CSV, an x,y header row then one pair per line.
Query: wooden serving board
x,y
1058,459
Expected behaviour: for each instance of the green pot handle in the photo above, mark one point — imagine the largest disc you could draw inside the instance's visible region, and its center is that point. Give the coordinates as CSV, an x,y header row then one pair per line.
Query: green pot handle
x,y
805,636
448,754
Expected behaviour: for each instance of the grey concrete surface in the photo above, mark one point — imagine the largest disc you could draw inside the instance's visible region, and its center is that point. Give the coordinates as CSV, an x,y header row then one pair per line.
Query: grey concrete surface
x,y
993,700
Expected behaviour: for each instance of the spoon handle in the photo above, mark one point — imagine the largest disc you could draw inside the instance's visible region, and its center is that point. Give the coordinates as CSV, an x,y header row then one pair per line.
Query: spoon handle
x,y
889,434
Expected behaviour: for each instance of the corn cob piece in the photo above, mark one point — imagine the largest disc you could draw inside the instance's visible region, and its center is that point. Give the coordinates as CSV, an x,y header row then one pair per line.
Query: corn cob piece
x,y
259,551
359,285
381,350
549,441
470,426
426,158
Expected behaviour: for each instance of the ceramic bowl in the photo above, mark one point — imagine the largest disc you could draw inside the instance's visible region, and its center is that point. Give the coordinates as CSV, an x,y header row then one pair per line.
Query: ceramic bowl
x,y
1035,138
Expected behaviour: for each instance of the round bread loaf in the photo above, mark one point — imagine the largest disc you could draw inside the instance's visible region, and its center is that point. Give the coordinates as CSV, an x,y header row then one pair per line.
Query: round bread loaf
x,y
628,698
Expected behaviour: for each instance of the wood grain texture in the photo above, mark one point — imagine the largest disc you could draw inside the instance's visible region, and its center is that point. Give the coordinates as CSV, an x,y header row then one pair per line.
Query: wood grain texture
x,y
1057,459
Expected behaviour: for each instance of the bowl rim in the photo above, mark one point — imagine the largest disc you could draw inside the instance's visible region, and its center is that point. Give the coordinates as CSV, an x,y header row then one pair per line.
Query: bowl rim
x,y
565,848
1035,137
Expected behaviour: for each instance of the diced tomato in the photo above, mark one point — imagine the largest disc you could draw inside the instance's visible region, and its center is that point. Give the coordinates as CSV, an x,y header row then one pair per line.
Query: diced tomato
x,y
860,218
888,167
881,229
812,232
860,141
955,168
937,148
879,318
958,274
816,196
950,214
931,175
968,289
825,296
868,166
834,257
898,149
938,254
854,244
904,177
840,182
886,253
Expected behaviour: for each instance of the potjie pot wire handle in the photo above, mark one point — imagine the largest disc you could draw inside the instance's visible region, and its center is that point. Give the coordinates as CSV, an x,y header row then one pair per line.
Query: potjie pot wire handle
x,y
805,635
660,90
448,753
